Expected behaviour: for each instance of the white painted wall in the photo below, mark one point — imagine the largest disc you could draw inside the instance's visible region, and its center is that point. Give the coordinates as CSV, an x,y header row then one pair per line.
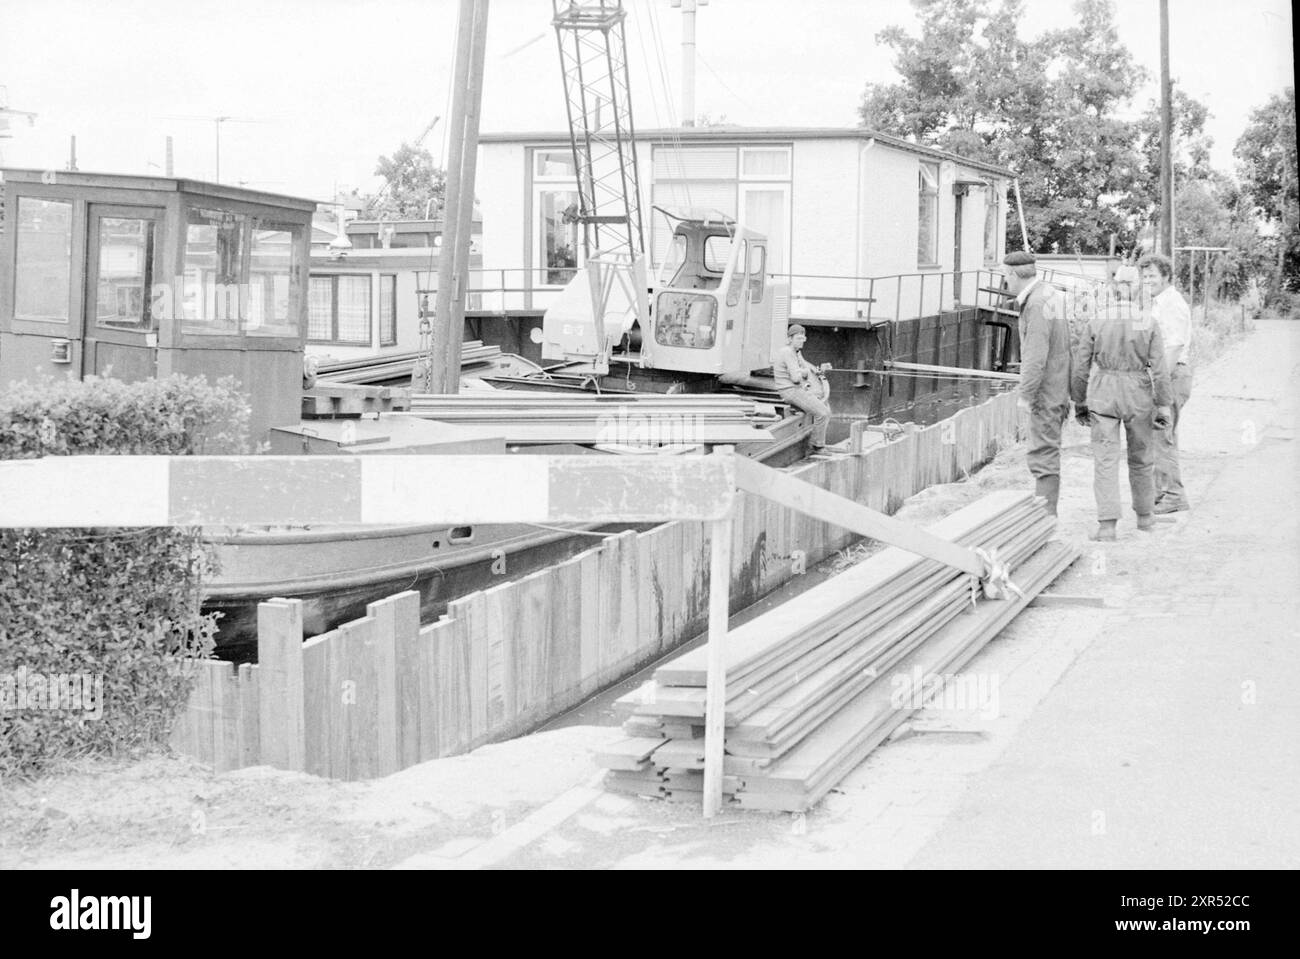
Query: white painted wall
x,y
854,212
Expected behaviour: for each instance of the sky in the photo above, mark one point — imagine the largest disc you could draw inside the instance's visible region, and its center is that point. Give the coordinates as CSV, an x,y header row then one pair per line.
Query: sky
x,y
318,89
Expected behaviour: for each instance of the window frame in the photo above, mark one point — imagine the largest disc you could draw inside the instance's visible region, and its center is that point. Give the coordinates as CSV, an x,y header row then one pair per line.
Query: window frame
x,y
75,224
930,196
334,310
383,340
992,216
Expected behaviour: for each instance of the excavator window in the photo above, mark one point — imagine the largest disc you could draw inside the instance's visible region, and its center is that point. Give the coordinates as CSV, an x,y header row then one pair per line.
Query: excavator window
x,y
685,320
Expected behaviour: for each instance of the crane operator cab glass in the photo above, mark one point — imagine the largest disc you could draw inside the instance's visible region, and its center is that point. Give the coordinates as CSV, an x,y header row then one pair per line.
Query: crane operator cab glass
x,y
712,312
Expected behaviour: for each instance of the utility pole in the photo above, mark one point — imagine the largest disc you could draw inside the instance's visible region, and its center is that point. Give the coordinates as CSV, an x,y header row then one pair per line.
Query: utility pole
x,y
168,163
440,372
688,57
72,155
1166,139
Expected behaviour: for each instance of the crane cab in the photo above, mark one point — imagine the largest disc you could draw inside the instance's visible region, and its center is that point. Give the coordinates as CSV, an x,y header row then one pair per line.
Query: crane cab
x,y
712,310
135,277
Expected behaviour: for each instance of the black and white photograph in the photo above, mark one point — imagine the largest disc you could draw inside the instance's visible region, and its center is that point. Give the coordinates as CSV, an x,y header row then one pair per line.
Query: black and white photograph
x,y
575,435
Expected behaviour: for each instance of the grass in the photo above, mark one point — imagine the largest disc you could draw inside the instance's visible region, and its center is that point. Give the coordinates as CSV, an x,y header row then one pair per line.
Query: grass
x,y
1215,328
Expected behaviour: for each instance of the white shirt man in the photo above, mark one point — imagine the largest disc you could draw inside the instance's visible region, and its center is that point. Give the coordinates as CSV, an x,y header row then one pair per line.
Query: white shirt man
x,y
1170,312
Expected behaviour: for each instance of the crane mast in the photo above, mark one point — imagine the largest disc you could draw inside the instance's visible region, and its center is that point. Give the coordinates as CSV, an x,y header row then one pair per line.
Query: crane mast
x,y
593,58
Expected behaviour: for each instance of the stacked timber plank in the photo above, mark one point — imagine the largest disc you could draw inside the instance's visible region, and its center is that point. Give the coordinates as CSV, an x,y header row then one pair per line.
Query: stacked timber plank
x,y
392,366
817,683
634,419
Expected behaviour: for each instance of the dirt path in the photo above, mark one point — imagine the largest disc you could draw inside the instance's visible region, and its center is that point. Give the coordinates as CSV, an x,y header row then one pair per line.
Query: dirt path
x,y
1119,737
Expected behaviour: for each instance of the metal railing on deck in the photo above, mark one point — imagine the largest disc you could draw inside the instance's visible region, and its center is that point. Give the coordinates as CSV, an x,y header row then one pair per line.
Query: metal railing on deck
x,y
869,300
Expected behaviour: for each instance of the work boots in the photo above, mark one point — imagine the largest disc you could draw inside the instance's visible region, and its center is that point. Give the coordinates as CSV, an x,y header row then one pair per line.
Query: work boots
x,y
1049,488
1105,531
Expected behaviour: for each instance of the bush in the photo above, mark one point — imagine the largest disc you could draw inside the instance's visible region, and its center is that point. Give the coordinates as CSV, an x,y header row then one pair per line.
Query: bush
x,y
113,609
1216,328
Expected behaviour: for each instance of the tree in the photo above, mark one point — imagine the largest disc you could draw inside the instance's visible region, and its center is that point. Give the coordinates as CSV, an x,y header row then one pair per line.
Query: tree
x,y
1211,211
1046,108
1191,154
411,181
1266,153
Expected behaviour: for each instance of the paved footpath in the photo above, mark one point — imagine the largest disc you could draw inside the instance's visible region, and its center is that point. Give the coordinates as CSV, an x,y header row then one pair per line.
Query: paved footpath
x,y
1172,739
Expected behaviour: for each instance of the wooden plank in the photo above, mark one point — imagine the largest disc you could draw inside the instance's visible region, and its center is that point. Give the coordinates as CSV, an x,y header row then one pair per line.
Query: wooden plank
x,y
280,686
318,698
715,716
470,615
360,698
384,613
626,754
589,566
566,635
400,615
454,710
532,597
224,706
431,706
337,692
498,615
648,596
249,744
629,626
1067,599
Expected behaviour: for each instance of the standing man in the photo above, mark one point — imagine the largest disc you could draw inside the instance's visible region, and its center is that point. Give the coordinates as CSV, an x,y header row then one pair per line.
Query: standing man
x,y
1170,312
1044,371
801,384
1119,377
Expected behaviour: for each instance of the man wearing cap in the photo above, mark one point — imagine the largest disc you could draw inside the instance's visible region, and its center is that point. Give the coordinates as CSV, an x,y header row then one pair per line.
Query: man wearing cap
x,y
1044,371
801,384
1171,313
1119,378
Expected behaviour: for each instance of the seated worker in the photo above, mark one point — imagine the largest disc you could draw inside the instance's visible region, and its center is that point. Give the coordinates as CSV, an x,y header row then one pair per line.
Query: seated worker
x,y
801,384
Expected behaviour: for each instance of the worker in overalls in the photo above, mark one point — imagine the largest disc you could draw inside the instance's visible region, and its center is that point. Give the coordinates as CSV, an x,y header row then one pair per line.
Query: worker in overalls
x,y
1044,371
1120,378
801,384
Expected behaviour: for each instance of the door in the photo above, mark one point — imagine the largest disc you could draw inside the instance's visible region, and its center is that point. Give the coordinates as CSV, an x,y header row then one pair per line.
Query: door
x,y
123,256
766,210
958,202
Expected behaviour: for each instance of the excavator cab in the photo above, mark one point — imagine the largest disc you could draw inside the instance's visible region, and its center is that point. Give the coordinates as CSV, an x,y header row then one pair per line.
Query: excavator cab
x,y
712,311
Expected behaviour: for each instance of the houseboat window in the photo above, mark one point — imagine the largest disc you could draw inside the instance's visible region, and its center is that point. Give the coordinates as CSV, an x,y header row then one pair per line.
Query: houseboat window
x,y
559,235
768,164
338,310
125,272
991,225
927,237
686,319
273,281
757,270
43,278
554,163
717,250
388,310
214,247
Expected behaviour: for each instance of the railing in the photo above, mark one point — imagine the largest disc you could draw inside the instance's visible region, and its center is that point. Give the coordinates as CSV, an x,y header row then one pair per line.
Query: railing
x,y
869,300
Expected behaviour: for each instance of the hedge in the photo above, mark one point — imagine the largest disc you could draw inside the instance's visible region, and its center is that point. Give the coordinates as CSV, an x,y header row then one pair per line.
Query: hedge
x,y
117,607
